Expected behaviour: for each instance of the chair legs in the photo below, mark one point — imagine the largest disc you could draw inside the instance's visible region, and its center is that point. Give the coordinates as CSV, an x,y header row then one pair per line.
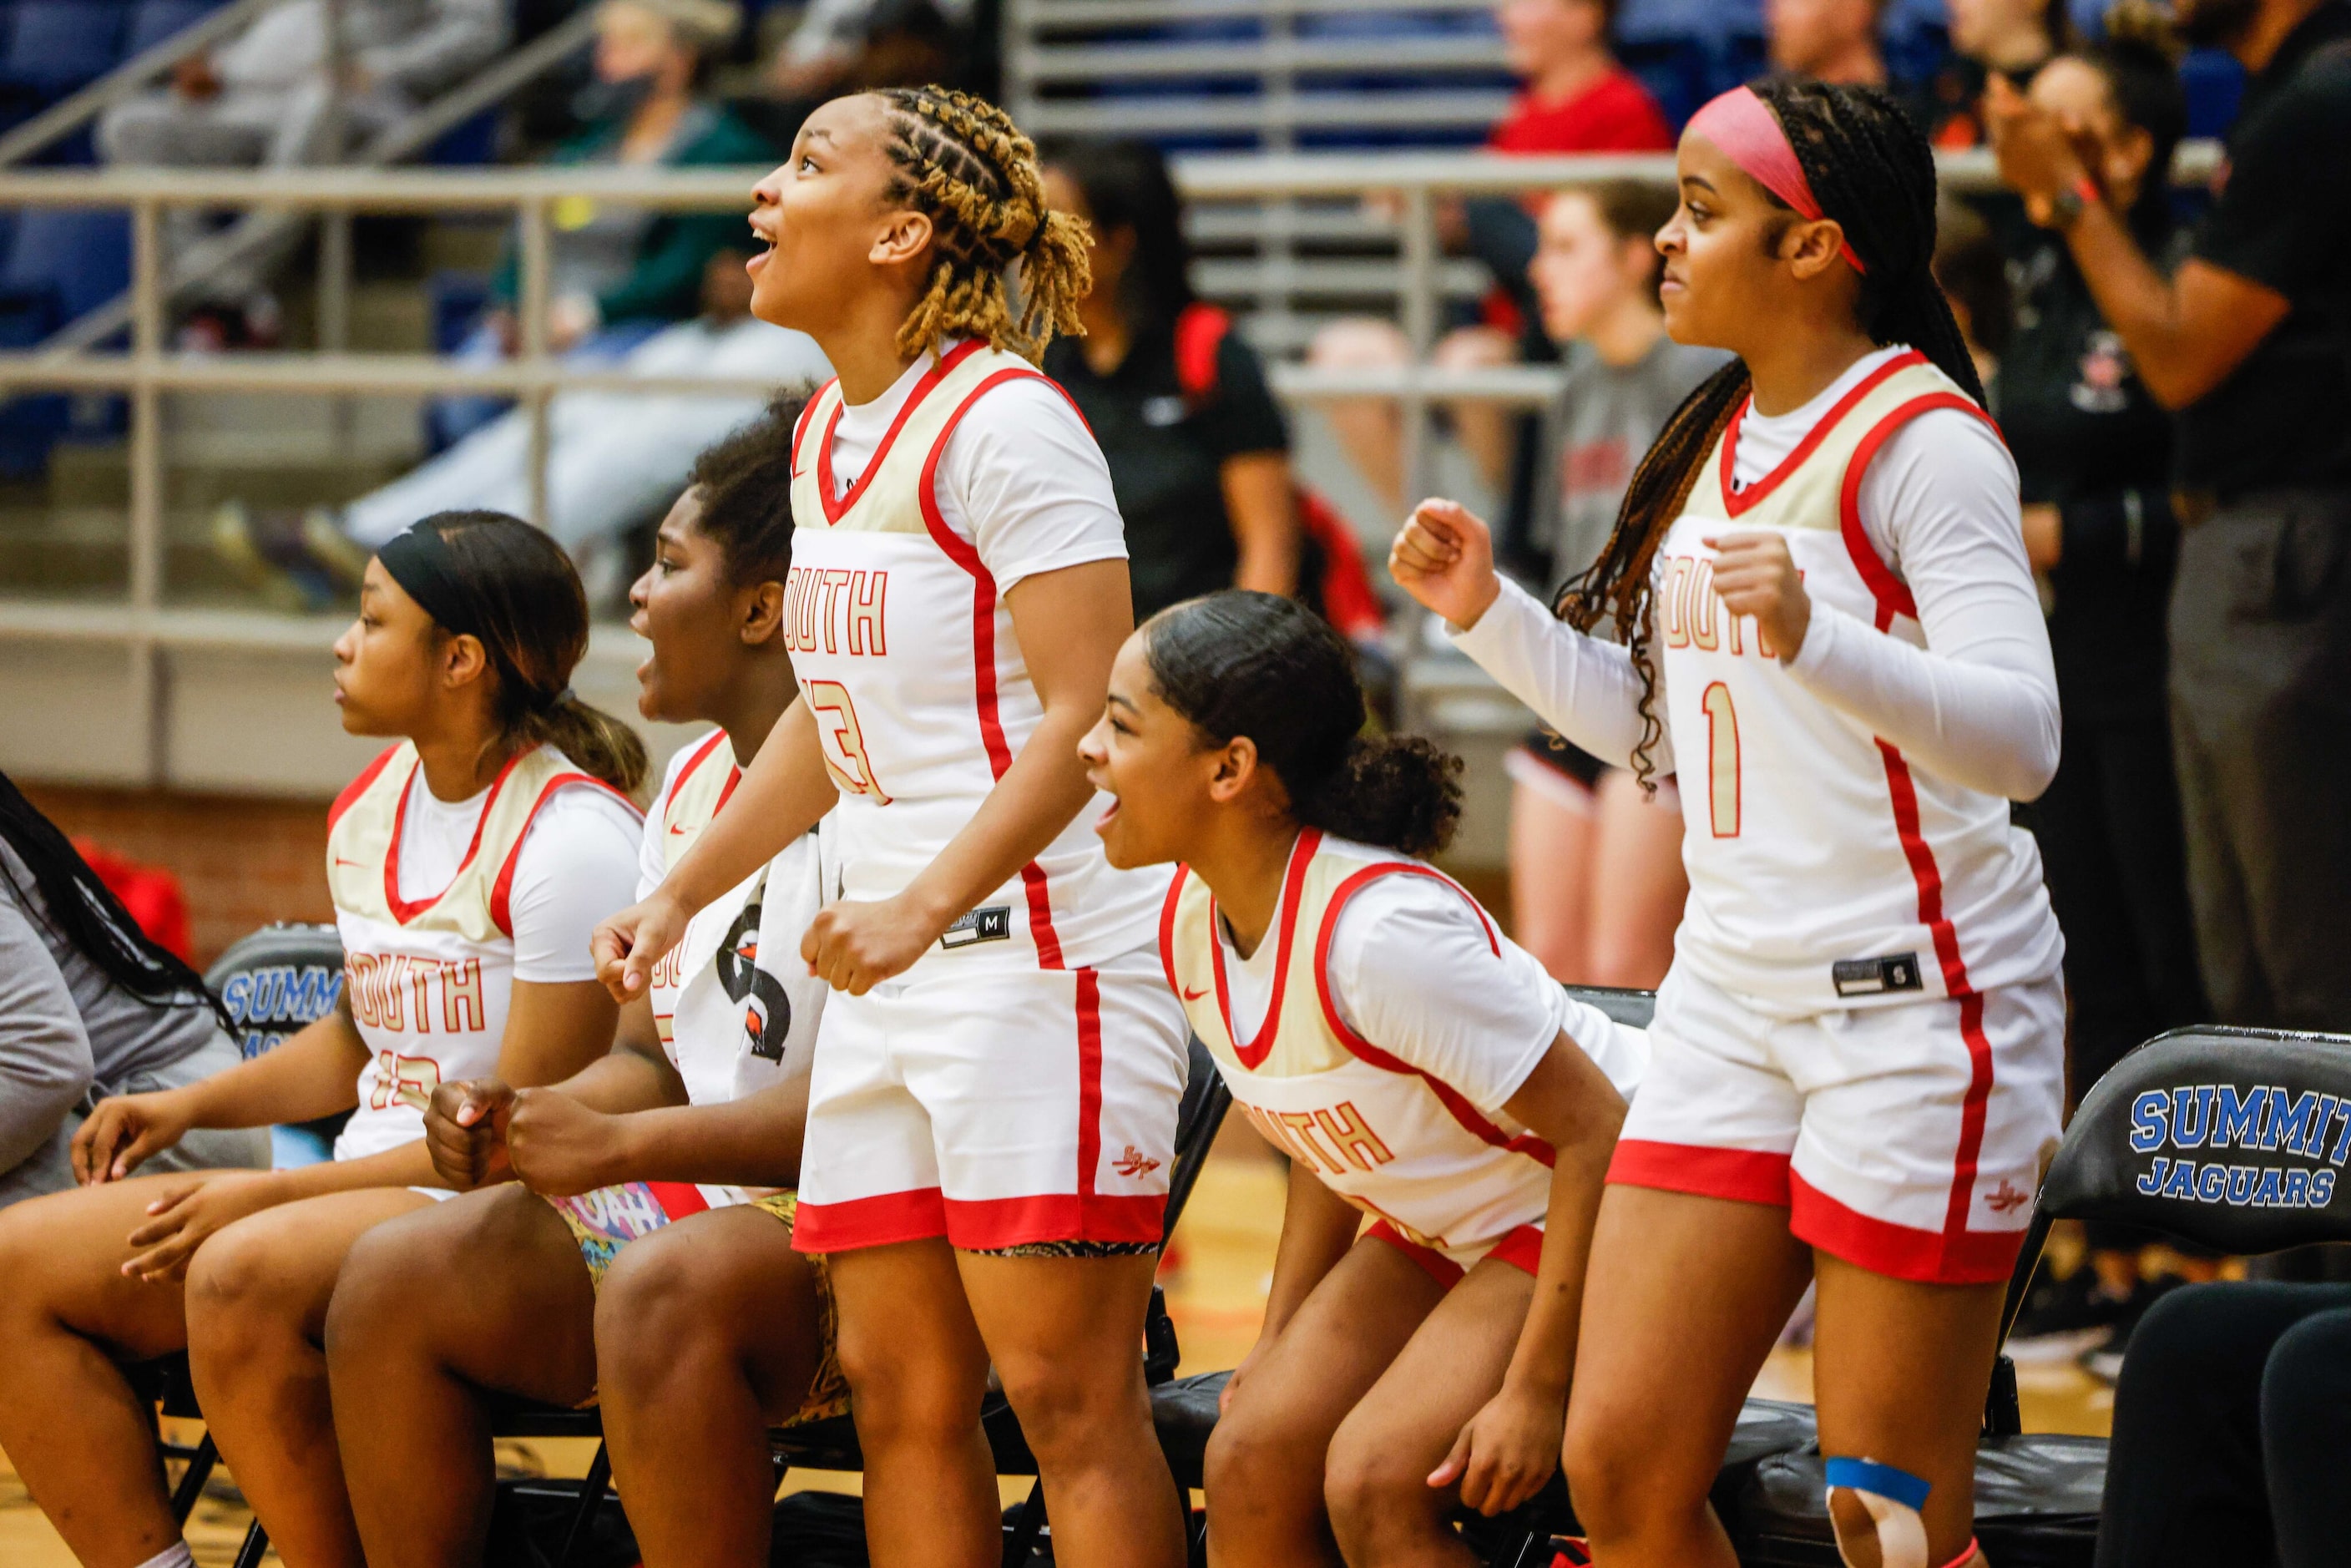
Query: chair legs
x,y
591,1498
200,1460
256,1547
1021,1541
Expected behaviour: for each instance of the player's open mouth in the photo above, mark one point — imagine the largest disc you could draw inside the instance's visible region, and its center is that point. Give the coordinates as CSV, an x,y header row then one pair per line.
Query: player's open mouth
x,y
1109,812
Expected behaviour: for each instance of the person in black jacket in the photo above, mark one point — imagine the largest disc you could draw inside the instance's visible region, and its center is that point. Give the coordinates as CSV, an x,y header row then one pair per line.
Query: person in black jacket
x,y
2093,453
1199,461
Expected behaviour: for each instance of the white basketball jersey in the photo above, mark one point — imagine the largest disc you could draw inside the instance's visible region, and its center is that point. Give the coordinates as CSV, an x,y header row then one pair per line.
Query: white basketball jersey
x,y
1391,1139
428,980
1824,871
922,697
702,783
747,1014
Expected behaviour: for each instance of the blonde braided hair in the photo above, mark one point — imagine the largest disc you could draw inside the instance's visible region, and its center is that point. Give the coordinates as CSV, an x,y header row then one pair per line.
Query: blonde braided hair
x,y
965,165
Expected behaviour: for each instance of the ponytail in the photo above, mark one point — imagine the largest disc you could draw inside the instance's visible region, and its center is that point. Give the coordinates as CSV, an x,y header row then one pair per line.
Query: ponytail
x,y
1242,663
497,578
1873,172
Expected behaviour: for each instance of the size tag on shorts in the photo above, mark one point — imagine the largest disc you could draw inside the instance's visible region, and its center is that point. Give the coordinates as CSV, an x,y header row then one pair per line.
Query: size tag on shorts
x,y
993,923
1876,976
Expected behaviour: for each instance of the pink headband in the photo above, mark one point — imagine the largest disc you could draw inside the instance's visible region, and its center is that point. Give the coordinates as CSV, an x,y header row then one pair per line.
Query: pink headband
x,y
1744,129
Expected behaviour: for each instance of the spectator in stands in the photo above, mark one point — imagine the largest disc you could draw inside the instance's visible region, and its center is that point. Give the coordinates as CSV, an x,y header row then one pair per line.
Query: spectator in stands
x,y
264,97
2250,339
1832,40
2233,1430
621,273
90,1006
1576,98
1973,276
2011,37
2094,455
1587,838
840,45
1198,453
614,459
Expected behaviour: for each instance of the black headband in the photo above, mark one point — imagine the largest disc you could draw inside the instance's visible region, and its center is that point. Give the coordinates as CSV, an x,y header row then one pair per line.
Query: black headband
x,y
419,560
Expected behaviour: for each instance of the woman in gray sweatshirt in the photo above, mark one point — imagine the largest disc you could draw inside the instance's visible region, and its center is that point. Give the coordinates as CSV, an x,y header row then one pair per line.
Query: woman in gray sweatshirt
x,y
90,1007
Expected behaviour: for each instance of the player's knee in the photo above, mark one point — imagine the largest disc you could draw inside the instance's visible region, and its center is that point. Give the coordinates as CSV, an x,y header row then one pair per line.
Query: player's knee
x,y
1373,1489
898,1396
232,1296
1252,1457
1607,1477
2170,1348
380,1292
1067,1404
2303,1385
659,1305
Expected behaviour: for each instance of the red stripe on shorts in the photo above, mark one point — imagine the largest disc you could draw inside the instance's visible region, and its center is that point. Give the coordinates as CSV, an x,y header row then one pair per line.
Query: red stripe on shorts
x,y
1743,1175
1090,1065
1899,1252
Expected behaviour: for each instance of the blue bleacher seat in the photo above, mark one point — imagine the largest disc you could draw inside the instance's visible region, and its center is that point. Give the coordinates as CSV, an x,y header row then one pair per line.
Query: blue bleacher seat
x,y
2214,83
1678,70
153,21
82,254
56,46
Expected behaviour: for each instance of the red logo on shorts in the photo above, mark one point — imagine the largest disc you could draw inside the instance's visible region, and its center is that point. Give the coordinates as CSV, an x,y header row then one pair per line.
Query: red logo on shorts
x,y
2005,1198
1134,1162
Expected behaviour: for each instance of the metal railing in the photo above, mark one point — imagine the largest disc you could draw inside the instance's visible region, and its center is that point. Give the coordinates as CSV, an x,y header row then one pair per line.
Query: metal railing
x,y
144,373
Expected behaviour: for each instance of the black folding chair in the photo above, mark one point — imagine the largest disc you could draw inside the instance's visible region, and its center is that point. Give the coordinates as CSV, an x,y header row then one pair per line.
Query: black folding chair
x,y
2231,1139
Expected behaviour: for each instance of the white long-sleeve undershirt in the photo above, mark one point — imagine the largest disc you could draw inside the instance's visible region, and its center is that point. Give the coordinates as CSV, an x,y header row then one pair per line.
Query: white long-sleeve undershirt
x,y
1978,706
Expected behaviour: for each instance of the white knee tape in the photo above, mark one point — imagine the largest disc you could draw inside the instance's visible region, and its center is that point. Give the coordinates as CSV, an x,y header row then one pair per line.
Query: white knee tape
x,y
1893,1499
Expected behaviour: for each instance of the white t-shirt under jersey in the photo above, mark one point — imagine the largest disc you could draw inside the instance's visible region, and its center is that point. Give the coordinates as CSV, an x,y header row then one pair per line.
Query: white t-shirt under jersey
x,y
1021,460
1412,969
579,865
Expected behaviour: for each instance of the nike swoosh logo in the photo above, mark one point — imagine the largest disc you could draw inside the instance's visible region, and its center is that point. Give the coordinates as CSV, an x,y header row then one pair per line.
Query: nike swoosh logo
x,y
675,829
1194,996
341,860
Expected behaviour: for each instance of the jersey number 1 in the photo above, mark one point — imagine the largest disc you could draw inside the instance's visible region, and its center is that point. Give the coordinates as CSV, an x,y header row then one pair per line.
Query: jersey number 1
x,y
1722,761
842,739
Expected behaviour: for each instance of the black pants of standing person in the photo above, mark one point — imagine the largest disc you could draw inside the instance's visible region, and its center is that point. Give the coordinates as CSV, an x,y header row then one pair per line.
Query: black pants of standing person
x,y
2261,689
2110,836
2232,1431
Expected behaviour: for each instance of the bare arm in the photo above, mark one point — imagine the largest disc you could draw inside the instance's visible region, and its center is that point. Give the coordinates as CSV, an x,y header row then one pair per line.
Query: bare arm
x,y
1070,624
560,1147
1511,1446
1318,1227
782,795
2186,333
1264,514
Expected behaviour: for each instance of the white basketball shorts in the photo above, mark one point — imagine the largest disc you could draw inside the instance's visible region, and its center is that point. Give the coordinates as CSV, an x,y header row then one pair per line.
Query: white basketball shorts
x,y
1908,1139
996,1108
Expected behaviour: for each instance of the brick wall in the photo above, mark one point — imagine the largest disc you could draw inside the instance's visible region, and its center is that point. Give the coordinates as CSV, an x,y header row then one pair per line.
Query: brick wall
x,y
244,861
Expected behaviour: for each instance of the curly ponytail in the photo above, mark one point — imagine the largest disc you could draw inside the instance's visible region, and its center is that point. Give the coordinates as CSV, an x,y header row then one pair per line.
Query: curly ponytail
x,y
1242,663
962,163
1873,172
524,600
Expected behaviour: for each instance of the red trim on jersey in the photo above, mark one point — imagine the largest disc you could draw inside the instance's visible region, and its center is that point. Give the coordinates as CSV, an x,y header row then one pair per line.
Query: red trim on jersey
x,y
834,510
1522,1249
799,425
358,786
1742,1175
1737,502
1167,927
976,1225
1948,1256
677,1198
966,555
710,743
1430,1261
1457,1103
1293,878
1090,1092
1893,595
402,909
500,890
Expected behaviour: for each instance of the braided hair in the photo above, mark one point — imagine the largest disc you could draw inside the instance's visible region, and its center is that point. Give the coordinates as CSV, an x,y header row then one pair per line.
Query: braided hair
x,y
963,164
1873,172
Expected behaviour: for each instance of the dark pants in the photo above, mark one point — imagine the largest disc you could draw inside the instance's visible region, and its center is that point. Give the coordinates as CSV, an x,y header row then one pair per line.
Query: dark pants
x,y
2260,693
2232,1431
2110,836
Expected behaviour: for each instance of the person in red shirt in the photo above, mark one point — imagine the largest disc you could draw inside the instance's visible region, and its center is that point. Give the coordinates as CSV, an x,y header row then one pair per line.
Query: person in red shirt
x,y
1576,99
